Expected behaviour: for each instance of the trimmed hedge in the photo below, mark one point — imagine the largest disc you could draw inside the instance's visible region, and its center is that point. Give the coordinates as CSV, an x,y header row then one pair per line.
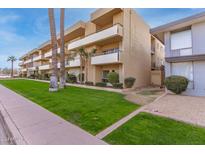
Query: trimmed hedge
x,y
113,77
101,84
176,84
118,85
89,83
129,82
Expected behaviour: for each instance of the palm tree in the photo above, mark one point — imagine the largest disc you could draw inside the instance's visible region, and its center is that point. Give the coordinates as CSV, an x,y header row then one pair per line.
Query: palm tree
x,y
84,57
12,59
54,68
62,49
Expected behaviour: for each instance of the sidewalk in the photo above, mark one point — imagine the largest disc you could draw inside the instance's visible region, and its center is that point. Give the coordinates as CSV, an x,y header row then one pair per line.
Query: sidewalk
x,y
32,124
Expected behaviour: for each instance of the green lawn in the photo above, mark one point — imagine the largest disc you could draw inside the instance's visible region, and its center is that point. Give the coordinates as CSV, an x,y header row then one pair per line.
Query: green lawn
x,y
147,129
92,110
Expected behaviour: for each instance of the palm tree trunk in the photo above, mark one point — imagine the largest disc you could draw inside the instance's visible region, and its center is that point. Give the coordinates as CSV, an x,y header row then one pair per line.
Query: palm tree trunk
x,y
54,69
62,50
12,68
81,69
86,70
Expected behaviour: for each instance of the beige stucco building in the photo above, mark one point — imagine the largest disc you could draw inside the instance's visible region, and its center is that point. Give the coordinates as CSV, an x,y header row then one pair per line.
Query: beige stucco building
x,y
122,41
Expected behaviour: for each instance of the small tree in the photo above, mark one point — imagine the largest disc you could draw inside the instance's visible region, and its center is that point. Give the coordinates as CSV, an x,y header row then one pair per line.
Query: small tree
x,y
84,57
113,77
12,59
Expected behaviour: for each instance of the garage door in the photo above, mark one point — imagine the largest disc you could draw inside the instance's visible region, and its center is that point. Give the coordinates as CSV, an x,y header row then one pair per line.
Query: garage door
x,y
199,76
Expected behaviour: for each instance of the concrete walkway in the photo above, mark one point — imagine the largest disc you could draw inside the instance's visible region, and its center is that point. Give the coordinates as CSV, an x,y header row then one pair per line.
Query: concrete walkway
x,y
119,123
32,124
188,109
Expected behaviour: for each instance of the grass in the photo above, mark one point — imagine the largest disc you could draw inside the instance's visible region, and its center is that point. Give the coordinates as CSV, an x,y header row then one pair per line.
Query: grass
x,y
92,110
148,129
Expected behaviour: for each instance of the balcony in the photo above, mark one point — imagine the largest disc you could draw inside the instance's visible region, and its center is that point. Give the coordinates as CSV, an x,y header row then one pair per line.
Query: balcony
x,y
32,68
113,32
21,63
49,54
27,61
103,15
44,67
37,58
73,63
23,70
181,52
106,57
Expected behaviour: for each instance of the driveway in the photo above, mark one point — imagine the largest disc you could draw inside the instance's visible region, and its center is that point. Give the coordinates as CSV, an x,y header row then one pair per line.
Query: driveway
x,y
183,108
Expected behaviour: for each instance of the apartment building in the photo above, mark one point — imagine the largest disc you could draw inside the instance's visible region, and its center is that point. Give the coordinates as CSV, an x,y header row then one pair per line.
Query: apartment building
x,y
185,50
122,41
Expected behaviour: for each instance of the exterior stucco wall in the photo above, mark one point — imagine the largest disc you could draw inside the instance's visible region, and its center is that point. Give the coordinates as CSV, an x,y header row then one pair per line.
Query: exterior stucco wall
x,y
198,38
136,54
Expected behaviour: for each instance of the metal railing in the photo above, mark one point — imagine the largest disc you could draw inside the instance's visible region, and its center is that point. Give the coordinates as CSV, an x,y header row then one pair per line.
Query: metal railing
x,y
105,52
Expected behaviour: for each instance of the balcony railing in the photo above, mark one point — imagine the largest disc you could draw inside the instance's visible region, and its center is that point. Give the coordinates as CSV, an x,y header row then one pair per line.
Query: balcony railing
x,y
23,69
32,68
113,31
181,52
37,58
49,54
27,61
44,67
106,57
73,63
21,63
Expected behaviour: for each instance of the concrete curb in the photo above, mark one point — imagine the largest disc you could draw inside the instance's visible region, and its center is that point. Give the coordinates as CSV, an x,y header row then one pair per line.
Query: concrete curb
x,y
15,137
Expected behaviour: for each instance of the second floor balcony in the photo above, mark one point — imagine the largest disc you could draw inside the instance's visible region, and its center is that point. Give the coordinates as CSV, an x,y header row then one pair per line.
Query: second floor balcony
x,y
32,68
181,52
114,32
106,57
44,67
37,58
49,53
73,63
27,61
21,63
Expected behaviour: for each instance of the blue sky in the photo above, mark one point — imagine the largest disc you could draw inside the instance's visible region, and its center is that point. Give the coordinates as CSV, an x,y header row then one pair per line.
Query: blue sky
x,y
21,30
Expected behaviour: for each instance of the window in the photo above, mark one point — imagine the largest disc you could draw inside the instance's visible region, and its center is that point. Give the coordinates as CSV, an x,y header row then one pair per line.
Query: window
x,y
181,40
105,75
184,69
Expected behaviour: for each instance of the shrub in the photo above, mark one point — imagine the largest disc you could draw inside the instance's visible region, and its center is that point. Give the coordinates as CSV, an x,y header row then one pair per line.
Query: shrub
x,y
46,77
101,84
32,76
129,82
118,85
71,78
113,77
89,83
176,84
